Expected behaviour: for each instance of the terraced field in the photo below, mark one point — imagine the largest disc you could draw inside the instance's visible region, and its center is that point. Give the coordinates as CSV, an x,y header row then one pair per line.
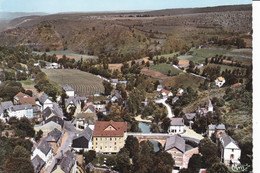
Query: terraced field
x,y
85,84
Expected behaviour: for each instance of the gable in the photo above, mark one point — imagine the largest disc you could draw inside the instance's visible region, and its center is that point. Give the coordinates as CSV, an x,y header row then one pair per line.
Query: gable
x,y
88,111
110,128
47,101
231,145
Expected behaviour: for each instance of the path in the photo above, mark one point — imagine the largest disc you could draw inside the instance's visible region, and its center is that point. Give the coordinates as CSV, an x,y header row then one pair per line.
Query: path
x,y
202,77
170,115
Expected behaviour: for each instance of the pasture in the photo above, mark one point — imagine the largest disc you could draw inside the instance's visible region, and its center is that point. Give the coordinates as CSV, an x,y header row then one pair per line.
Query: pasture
x,y
85,84
165,68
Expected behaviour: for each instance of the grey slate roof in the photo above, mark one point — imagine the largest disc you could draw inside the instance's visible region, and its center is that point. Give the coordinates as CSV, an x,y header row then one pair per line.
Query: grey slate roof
x,y
46,113
37,163
21,107
53,136
210,104
6,105
177,122
114,80
226,139
67,161
82,140
190,116
221,127
67,88
175,142
212,127
43,98
55,119
44,147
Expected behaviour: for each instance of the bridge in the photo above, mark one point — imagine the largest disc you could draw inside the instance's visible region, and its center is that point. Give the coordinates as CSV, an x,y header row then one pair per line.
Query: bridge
x,y
160,137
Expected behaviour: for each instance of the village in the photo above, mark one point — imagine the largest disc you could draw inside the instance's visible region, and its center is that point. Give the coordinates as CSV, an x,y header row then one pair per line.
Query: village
x,y
63,141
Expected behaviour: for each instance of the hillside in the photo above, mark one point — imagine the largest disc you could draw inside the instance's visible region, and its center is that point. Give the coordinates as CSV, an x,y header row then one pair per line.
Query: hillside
x,y
128,35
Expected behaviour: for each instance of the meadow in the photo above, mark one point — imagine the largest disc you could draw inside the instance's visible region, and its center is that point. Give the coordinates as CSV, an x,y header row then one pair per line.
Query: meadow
x,y
85,84
164,69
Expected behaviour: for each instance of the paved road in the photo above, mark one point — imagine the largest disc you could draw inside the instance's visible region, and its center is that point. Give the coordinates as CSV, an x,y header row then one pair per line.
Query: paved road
x,y
70,133
170,114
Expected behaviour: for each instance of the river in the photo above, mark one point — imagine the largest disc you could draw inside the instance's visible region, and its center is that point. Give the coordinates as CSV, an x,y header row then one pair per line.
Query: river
x,y
145,128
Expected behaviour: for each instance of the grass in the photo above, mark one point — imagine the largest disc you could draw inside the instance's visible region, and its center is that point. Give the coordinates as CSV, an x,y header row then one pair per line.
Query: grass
x,y
69,53
199,55
166,55
85,84
223,67
164,69
27,84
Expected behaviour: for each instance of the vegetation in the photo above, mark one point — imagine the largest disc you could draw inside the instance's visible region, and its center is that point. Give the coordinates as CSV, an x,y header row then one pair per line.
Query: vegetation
x,y
166,69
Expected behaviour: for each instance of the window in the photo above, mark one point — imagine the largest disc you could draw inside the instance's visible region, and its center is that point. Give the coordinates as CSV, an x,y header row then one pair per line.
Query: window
x,y
96,143
110,139
100,148
232,150
115,143
115,148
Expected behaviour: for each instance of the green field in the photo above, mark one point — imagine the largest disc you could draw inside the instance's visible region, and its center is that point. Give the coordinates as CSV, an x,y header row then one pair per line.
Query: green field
x,y
28,84
164,69
85,84
166,55
68,53
223,67
199,55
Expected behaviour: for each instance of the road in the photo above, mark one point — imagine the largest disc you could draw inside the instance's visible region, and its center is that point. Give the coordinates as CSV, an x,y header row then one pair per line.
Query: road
x,y
170,114
202,77
70,133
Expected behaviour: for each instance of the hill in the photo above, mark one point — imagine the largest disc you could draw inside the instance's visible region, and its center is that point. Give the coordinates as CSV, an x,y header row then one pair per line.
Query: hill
x,y
128,35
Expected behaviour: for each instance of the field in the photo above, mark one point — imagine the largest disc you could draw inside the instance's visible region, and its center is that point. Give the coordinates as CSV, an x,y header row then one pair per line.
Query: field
x,y
85,84
154,74
166,55
164,68
223,67
69,54
199,55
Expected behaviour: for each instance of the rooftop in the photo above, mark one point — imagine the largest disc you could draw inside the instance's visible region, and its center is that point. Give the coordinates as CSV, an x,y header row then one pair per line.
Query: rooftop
x,y
177,121
44,146
67,88
175,142
109,128
53,136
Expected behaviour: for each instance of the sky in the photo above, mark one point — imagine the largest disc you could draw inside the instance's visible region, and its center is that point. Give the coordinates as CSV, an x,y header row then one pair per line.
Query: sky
x,y
59,6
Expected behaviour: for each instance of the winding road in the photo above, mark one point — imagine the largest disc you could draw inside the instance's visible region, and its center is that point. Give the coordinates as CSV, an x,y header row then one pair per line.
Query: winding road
x,y
170,114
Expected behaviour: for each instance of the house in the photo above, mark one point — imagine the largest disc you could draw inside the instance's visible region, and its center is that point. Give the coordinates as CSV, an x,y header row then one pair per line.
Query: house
x,y
54,138
166,93
176,126
190,117
3,110
50,124
180,92
212,128
175,99
175,145
67,164
84,120
116,97
20,111
89,108
45,101
53,65
114,82
44,151
230,151
83,141
38,164
236,85
210,106
109,136
159,88
188,154
124,82
69,90
73,102
220,81
20,96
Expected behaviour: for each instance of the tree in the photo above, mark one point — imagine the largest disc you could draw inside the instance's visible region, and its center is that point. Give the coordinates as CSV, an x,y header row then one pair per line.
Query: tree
x,y
163,162
123,161
38,135
209,152
165,124
195,163
218,168
89,156
108,87
132,145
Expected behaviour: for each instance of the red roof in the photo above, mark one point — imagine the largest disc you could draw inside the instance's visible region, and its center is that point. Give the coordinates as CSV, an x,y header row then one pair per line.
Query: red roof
x,y
27,100
109,128
165,91
20,95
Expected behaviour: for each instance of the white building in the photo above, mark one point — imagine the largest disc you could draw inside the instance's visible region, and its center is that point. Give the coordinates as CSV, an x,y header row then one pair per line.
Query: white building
x,y
220,81
230,152
45,101
159,88
69,90
177,126
20,111
44,151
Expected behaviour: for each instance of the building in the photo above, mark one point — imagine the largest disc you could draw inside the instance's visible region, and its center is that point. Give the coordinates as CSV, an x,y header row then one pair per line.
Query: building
x,y
44,151
38,164
49,125
166,93
54,138
45,101
159,88
3,110
230,151
83,141
116,97
212,128
89,108
220,81
180,92
67,164
20,111
109,136
210,106
176,126
84,120
175,145
20,98
69,90
114,82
